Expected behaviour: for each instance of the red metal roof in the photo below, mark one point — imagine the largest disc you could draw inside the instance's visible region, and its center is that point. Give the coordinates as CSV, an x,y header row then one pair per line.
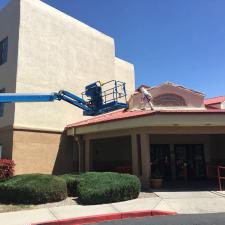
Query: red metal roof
x,y
215,100
123,114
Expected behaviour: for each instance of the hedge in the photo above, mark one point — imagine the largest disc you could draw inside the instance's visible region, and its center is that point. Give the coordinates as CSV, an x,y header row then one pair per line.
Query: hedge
x,y
72,181
6,168
107,187
33,189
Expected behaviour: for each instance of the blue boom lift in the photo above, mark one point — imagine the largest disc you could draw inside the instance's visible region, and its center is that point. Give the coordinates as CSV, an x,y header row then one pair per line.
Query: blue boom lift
x,y
98,98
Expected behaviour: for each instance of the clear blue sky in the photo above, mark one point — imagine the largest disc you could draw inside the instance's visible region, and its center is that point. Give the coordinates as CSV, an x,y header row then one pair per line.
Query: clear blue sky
x,y
181,41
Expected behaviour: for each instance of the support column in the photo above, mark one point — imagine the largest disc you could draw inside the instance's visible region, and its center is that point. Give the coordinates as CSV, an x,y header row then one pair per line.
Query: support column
x,y
134,154
87,155
145,158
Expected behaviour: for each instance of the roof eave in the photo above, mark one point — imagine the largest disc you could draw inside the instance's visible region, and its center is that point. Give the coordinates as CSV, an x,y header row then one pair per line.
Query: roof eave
x,y
151,113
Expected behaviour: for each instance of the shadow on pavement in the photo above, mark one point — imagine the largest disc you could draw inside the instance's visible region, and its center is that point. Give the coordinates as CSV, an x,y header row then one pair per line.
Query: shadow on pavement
x,y
198,185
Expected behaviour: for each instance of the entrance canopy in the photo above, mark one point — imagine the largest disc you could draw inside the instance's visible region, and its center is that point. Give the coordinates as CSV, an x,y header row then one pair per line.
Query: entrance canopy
x,y
178,137
207,121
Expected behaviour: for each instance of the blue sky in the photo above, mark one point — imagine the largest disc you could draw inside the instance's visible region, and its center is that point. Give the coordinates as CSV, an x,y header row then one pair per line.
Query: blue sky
x,y
177,40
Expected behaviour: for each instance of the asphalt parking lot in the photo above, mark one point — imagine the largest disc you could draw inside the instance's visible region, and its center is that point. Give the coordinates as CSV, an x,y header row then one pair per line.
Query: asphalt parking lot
x,y
197,219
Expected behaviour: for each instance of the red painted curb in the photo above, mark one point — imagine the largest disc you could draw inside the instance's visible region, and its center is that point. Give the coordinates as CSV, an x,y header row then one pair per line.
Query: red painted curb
x,y
135,214
107,217
163,213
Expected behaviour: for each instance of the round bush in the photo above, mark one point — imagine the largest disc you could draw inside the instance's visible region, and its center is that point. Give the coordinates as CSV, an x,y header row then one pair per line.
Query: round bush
x,y
72,181
98,188
33,189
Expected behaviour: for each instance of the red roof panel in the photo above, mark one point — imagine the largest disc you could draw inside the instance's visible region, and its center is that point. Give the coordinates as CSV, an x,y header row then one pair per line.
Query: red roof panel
x,y
123,114
215,100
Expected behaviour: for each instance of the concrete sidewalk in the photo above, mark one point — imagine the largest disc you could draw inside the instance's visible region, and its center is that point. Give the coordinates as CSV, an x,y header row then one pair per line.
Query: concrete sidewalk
x,y
194,202
181,202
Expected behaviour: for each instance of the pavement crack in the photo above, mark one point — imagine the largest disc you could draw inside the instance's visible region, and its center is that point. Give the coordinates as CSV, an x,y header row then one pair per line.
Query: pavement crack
x,y
53,214
114,207
157,203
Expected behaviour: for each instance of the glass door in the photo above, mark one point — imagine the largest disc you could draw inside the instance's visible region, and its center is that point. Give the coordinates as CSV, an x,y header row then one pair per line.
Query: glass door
x,y
180,160
199,161
160,160
190,158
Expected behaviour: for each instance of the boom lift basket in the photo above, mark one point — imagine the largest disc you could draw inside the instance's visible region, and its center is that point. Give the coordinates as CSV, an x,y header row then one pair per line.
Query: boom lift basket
x,y
105,97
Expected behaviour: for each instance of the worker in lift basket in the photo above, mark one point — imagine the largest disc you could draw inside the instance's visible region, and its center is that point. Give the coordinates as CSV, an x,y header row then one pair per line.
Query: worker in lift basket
x,y
147,97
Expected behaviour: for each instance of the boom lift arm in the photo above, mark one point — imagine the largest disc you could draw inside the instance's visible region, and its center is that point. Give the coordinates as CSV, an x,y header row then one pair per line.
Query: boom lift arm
x,y
96,99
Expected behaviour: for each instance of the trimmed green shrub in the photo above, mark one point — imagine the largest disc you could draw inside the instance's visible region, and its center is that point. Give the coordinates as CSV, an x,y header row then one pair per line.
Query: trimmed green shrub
x,y
72,181
33,189
98,188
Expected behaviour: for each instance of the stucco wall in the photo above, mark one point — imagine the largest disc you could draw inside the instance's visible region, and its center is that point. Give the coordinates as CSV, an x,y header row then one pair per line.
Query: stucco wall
x,y
58,52
9,27
124,71
217,106
42,152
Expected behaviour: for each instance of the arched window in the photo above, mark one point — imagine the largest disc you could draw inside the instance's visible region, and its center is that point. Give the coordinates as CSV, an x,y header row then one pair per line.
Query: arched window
x,y
169,100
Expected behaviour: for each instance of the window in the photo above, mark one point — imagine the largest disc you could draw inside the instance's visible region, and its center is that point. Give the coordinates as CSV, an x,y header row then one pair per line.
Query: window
x,y
169,100
3,51
2,104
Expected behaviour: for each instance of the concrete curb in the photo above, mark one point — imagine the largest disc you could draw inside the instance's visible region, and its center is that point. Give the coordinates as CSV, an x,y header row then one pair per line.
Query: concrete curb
x,y
107,217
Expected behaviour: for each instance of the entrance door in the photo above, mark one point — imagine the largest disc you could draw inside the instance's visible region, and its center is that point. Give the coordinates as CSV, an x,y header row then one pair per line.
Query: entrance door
x,y
160,160
190,157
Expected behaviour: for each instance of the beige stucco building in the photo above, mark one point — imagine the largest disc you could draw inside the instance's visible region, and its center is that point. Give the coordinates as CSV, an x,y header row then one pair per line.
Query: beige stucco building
x,y
182,133
48,51
43,50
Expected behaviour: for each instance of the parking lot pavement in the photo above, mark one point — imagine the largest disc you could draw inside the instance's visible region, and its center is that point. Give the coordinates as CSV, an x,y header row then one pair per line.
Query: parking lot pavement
x,y
197,219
